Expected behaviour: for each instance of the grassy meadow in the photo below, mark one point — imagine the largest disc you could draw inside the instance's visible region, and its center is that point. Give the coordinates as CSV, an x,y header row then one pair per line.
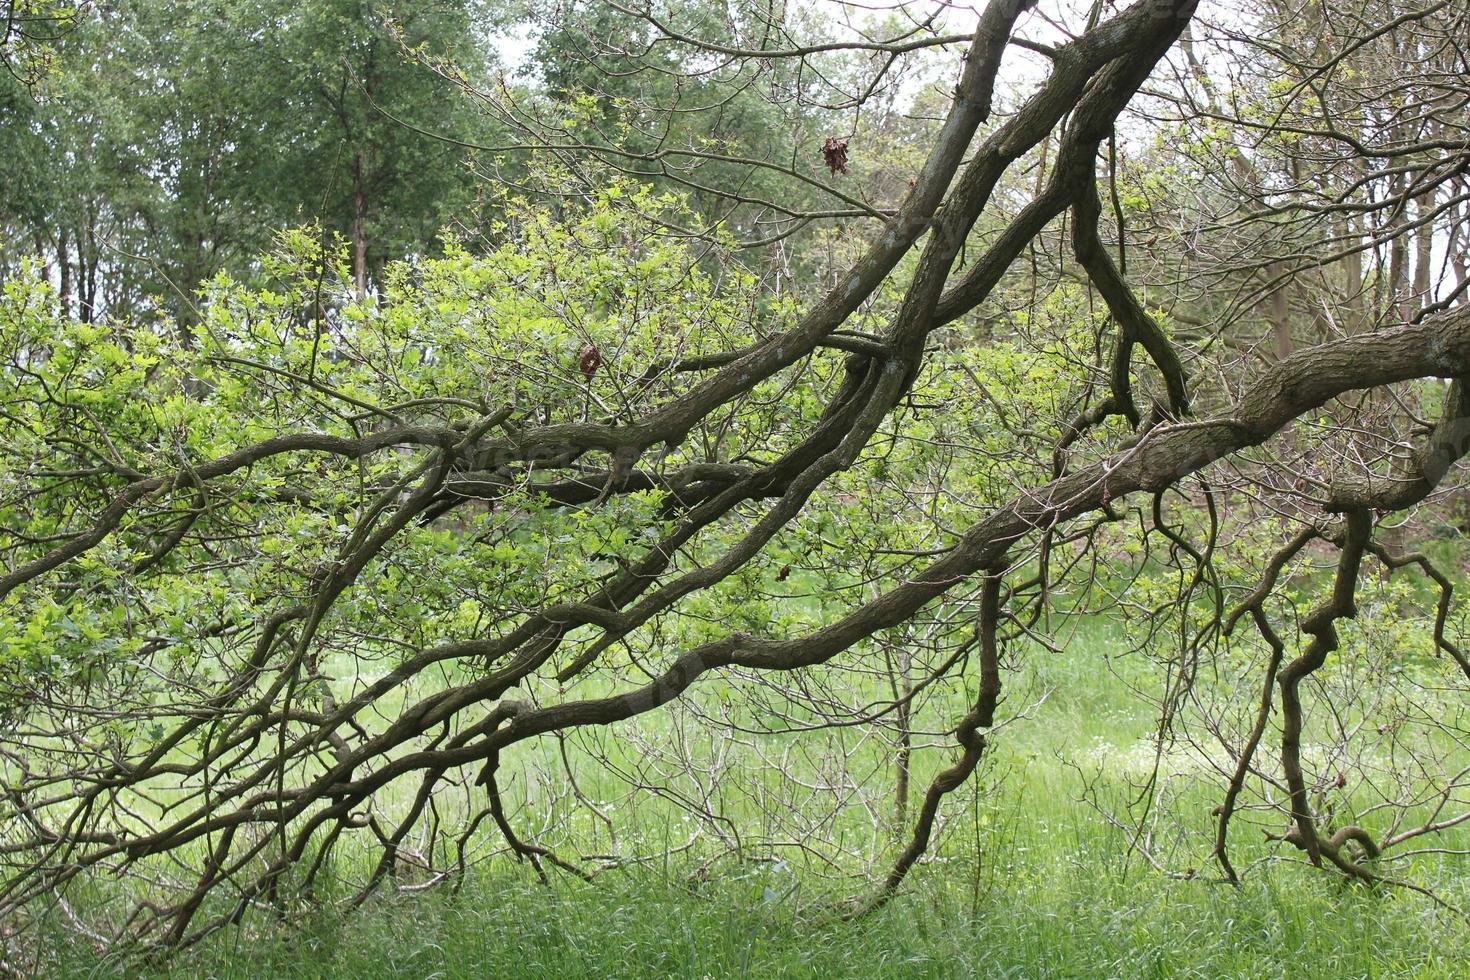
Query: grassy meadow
x,y
1030,877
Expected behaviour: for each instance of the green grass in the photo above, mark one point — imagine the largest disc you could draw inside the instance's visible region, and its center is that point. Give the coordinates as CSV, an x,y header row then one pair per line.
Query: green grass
x,y
1048,917
1028,881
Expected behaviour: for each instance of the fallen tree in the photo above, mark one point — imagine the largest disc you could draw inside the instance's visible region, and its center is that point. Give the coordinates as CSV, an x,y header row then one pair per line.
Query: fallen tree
x,y
203,536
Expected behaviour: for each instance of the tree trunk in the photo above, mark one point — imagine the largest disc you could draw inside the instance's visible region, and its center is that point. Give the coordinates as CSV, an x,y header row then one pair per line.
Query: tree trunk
x,y
359,230
63,265
904,755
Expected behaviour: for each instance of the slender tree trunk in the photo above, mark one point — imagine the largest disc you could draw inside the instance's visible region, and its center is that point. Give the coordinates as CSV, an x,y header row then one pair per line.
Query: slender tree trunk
x,y
904,756
1461,267
87,307
63,272
359,230
1398,257
40,241
1279,311
1353,277
1423,252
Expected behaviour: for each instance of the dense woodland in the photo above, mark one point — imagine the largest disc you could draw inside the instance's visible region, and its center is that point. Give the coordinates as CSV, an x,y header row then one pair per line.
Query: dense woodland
x,y
874,467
